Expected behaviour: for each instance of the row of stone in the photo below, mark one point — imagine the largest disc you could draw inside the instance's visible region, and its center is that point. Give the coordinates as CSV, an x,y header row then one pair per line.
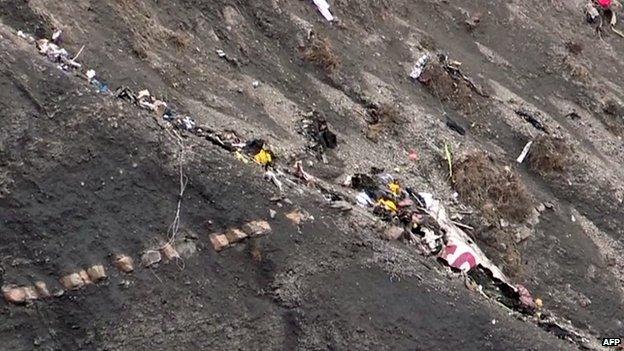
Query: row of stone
x,y
232,236
125,264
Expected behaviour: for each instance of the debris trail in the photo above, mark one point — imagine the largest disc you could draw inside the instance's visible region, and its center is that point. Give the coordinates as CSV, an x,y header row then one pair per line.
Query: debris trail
x,y
175,225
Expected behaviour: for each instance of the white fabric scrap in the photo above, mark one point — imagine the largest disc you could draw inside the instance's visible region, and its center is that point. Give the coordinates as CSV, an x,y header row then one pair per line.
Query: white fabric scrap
x,y
525,152
323,8
419,67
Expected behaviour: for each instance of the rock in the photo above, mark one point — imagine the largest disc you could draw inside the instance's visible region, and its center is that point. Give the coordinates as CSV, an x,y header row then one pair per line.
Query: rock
x,y
13,294
341,205
150,258
186,249
219,241
522,234
393,233
124,263
30,293
169,252
235,235
72,281
42,289
549,205
96,273
295,216
504,223
85,277
272,213
541,208
257,228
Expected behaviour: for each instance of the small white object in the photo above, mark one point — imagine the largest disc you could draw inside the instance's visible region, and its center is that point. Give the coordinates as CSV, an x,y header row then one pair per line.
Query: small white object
x,y
419,67
323,8
143,94
273,178
188,123
56,35
221,53
90,74
525,152
493,321
255,84
364,200
573,219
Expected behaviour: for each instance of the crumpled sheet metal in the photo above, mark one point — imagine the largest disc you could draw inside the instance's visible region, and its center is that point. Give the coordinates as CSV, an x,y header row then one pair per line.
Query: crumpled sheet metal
x,y
460,251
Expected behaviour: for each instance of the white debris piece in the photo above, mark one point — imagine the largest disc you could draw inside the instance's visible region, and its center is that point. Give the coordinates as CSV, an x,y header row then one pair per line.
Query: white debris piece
x,y
90,74
221,53
364,200
188,123
419,67
323,8
269,175
525,152
56,35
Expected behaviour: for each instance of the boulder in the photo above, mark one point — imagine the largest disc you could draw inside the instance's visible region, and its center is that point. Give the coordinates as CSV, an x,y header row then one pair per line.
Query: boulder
x,y
257,228
169,252
186,248
235,235
393,233
72,281
295,216
13,294
85,277
96,273
219,241
42,289
150,258
124,263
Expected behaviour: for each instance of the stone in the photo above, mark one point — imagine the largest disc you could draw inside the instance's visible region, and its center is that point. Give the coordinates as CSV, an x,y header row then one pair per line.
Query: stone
x,y
42,289
13,294
150,258
522,234
124,263
272,213
96,273
393,233
30,293
295,216
257,228
72,281
219,241
85,277
186,249
169,252
541,208
235,235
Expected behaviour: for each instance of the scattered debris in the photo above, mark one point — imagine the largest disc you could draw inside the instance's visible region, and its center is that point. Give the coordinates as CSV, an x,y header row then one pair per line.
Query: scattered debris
x,y
419,67
42,289
455,126
531,118
524,152
296,217
323,8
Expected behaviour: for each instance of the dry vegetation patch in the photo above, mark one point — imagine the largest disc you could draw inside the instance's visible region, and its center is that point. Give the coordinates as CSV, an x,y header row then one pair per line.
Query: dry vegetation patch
x,y
496,190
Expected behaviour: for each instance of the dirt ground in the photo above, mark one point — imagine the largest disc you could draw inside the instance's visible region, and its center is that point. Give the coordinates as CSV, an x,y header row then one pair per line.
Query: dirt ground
x,y
84,176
